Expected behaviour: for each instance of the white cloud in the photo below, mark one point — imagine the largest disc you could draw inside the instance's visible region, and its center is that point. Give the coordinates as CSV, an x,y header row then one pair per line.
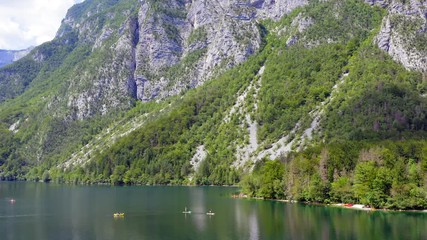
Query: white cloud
x,y
25,23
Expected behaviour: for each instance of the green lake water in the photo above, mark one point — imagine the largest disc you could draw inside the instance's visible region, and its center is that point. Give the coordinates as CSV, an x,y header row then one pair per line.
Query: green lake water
x,y
51,211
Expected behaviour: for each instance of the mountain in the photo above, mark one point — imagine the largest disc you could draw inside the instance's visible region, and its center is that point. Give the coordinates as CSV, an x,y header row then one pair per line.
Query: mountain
x,y
207,92
10,56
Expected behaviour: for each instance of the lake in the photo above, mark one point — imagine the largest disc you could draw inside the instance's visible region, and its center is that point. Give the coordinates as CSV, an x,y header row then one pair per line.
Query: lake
x,y
53,211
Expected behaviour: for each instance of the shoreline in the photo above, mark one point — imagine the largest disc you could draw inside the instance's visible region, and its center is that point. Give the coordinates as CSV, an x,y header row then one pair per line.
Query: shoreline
x,y
366,208
244,196
357,207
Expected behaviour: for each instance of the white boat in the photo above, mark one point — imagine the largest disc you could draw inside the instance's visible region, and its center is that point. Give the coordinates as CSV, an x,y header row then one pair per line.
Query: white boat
x,y
186,211
210,213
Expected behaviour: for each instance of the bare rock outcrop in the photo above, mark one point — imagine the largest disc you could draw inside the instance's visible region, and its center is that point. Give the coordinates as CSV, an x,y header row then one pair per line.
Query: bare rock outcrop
x,y
162,48
403,32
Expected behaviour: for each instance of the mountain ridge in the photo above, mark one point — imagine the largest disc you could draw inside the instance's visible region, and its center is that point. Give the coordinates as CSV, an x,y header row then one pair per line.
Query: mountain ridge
x,y
149,92
10,56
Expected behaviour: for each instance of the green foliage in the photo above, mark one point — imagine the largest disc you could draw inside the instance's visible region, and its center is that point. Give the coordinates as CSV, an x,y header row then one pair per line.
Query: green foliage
x,y
6,141
159,152
379,100
294,82
15,78
12,167
197,35
182,69
266,182
341,190
385,175
297,79
98,8
47,135
315,191
21,75
341,21
411,27
164,7
369,184
46,176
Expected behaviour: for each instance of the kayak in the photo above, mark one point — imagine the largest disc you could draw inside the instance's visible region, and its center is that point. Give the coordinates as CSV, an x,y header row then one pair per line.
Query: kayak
x,y
117,215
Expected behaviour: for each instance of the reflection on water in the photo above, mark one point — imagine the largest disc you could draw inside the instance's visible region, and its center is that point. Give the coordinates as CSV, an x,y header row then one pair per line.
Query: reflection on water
x,y
49,211
253,226
197,203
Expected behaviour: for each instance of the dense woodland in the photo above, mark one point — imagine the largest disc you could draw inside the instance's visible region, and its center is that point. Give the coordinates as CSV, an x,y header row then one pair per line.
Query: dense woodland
x,y
370,147
386,174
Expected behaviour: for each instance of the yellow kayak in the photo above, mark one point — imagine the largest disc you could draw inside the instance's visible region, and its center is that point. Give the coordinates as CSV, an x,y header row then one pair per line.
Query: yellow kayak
x,y
117,215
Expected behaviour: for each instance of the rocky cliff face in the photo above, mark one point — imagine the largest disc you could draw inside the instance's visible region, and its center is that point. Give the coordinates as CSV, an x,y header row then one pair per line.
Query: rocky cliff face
x,y
109,54
403,32
155,49
271,9
150,49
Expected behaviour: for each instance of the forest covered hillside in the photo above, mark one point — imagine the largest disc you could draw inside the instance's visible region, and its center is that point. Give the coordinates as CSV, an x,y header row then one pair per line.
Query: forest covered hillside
x,y
320,101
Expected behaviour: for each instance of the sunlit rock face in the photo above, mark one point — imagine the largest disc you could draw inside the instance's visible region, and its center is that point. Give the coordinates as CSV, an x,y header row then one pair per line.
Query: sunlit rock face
x,y
144,50
403,32
160,49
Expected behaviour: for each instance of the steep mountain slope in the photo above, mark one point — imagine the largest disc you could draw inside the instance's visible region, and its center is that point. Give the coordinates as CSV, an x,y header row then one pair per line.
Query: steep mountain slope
x,y
108,54
306,82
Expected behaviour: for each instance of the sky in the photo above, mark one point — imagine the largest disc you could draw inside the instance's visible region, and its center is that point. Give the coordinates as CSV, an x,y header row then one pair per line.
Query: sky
x,y
25,23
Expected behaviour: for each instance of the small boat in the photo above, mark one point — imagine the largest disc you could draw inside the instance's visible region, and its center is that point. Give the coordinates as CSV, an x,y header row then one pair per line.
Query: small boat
x,y
186,211
210,213
118,215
